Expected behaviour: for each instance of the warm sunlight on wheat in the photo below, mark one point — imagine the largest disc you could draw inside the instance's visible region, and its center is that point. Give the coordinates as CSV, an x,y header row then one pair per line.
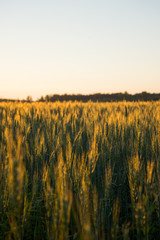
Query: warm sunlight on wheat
x,y
79,170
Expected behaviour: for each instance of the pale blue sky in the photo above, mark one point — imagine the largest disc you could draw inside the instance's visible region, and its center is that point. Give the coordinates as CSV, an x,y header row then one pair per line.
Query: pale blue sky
x,y
79,46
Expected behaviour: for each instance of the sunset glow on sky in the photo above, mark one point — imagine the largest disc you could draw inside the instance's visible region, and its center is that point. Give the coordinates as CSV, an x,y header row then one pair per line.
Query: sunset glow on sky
x,y
72,46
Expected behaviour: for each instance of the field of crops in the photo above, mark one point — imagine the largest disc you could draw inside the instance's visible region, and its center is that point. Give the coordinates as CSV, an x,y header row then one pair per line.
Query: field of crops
x,y
88,171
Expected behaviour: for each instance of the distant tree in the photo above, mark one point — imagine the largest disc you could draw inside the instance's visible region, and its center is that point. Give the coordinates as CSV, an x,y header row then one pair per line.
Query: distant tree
x,y
41,99
29,99
47,98
144,93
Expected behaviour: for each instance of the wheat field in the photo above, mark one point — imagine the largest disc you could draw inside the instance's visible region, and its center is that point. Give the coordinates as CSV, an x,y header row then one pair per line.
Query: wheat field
x,y
79,171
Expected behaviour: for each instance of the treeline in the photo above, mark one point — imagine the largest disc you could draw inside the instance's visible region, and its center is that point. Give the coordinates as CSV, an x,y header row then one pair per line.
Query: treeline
x,y
13,100
28,99
98,97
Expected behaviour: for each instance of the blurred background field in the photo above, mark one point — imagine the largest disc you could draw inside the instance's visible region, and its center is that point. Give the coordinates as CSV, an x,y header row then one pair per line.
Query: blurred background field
x,y
80,170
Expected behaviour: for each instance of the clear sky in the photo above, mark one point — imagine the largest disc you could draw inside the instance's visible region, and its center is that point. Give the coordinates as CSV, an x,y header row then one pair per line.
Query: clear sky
x,y
78,46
